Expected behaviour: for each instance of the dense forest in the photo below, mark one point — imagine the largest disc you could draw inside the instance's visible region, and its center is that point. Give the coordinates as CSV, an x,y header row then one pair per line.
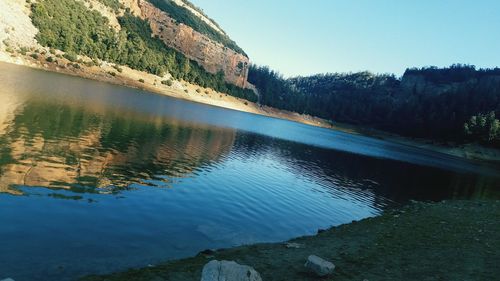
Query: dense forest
x,y
69,26
183,15
457,103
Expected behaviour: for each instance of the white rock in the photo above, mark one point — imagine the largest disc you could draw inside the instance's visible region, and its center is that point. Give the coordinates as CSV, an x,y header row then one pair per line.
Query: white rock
x,y
228,271
319,266
7,279
293,245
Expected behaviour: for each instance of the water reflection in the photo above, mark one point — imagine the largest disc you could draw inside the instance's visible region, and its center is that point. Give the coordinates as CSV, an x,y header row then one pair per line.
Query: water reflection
x,y
389,181
117,178
65,146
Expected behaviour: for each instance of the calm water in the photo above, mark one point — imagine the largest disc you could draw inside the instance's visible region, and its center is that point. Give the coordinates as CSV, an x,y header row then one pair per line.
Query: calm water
x,y
96,178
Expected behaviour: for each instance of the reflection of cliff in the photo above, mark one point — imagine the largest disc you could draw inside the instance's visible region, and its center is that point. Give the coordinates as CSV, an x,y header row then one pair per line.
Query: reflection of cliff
x,y
68,147
8,107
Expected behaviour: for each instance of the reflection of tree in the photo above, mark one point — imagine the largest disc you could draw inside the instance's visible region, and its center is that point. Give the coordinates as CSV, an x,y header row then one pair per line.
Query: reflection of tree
x,y
364,175
64,146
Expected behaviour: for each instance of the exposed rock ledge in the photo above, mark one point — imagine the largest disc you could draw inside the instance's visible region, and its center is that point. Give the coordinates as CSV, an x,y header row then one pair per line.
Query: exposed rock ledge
x,y
213,56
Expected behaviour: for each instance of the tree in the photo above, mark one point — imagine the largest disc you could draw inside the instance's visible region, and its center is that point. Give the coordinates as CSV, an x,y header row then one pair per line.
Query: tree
x,y
483,127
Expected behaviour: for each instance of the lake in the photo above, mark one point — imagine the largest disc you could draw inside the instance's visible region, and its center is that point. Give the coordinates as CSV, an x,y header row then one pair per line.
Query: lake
x,y
96,178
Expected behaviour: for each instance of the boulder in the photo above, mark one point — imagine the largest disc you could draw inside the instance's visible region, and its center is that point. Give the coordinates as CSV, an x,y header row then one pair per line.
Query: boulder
x,y
228,271
319,266
7,279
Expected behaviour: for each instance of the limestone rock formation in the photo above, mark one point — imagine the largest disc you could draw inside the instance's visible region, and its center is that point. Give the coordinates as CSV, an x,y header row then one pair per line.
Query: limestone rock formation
x,y
213,56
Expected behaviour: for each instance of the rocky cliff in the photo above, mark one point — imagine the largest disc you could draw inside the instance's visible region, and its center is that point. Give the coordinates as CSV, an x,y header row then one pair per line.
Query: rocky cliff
x,y
213,56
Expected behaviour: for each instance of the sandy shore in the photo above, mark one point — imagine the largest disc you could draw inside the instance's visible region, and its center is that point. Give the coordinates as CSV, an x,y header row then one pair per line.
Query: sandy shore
x,y
109,73
455,240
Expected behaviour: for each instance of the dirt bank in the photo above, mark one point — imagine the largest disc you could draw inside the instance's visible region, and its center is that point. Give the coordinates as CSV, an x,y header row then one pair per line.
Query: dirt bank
x,y
455,240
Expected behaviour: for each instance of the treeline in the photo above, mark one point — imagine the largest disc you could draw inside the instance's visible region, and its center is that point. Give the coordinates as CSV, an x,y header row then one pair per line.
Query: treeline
x,y
183,15
454,73
428,102
69,26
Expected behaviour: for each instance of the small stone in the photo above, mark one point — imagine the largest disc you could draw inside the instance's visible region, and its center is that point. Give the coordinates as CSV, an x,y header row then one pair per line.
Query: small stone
x,y
319,266
229,271
293,245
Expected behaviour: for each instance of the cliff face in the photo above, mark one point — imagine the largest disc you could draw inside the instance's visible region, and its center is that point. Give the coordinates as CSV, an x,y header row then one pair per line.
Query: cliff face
x,y
213,56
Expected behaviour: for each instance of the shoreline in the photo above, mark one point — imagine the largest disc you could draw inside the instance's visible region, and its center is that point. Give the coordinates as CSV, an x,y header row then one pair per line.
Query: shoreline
x,y
128,77
450,240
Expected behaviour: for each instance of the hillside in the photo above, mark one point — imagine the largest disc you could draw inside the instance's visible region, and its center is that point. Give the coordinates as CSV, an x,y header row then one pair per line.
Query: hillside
x,y
173,40
456,104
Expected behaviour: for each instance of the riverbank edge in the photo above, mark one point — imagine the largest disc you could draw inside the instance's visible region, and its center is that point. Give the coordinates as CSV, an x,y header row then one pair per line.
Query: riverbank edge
x,y
450,240
183,90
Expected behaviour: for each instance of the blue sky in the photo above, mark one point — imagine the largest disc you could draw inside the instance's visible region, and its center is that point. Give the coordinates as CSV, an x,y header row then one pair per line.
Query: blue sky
x,y
385,36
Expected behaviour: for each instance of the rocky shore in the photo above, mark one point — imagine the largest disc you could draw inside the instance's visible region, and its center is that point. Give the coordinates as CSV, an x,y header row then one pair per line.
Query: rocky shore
x,y
454,240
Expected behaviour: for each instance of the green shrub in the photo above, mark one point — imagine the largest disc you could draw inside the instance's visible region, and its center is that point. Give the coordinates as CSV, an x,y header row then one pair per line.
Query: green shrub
x,y
70,56
141,80
34,55
483,127
118,68
23,50
168,82
113,4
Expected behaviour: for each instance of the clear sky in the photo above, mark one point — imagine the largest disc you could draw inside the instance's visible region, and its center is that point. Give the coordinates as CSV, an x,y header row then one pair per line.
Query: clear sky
x,y
316,36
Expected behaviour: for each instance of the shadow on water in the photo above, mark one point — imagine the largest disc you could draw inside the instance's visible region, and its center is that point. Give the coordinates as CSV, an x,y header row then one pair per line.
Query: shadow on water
x,y
115,178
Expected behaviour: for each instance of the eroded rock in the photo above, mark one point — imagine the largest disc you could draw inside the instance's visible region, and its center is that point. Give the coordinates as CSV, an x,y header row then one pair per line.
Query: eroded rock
x,y
212,55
